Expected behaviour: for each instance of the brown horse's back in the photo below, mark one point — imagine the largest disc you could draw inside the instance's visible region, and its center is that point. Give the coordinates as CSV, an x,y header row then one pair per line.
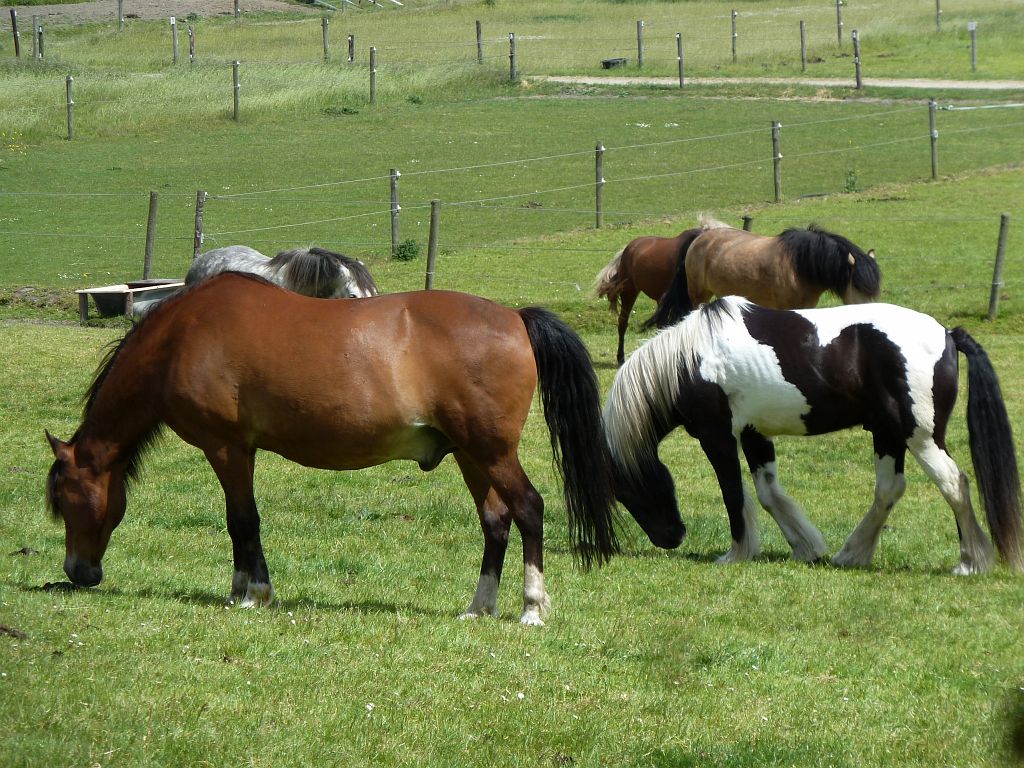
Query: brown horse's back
x,y
342,384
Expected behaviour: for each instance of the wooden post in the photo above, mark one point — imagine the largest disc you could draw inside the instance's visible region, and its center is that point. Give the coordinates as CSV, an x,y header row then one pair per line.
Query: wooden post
x,y
40,36
395,208
803,47
997,274
324,22
938,15
479,44
191,45
14,31
71,109
236,87
747,222
599,185
734,36
238,11
120,15
777,159
934,134
839,23
147,265
512,56
640,44
435,222
174,40
972,27
856,59
373,75
679,55
351,48
197,241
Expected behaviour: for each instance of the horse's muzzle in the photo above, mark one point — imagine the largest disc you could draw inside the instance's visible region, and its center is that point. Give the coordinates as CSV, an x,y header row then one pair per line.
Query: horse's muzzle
x,y
669,538
82,574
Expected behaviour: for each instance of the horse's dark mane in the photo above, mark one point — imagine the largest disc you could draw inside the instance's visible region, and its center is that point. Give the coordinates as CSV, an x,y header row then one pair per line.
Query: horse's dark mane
x,y
822,257
312,269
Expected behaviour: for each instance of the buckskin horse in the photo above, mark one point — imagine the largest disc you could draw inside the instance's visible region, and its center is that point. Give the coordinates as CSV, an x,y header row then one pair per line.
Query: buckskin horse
x,y
235,364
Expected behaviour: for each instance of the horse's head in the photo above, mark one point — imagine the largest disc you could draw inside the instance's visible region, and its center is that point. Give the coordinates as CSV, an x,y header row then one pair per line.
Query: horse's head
x,y
353,281
865,279
653,505
92,505
324,274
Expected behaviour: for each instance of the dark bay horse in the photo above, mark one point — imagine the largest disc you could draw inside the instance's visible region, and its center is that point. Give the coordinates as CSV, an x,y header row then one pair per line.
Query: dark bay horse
x,y
646,265
786,271
236,364
310,271
734,375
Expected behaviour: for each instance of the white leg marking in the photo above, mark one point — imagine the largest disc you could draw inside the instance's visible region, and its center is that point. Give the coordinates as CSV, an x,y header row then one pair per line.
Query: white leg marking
x,y
258,595
750,547
485,600
976,555
536,602
806,541
859,548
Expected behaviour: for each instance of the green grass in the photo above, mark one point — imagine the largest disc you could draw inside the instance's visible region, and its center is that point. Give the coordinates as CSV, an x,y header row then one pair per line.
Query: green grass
x,y
659,659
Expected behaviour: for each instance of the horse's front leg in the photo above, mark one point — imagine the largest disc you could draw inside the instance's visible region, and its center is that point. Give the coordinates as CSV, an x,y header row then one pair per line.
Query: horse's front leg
x,y
723,453
250,583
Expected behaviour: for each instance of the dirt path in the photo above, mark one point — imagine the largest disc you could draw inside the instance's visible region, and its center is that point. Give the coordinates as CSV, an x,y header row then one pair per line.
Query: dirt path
x,y
871,82
106,10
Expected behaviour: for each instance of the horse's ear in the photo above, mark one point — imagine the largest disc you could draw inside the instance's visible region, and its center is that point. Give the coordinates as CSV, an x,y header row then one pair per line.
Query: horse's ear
x,y
871,253
58,446
850,258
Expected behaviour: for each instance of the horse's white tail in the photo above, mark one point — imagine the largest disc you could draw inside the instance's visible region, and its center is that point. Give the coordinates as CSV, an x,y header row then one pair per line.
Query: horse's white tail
x,y
608,283
708,222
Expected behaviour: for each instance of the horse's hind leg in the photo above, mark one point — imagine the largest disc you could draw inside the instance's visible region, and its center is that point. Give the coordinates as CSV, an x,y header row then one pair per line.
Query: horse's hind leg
x,y
890,482
504,494
626,301
976,555
251,581
805,540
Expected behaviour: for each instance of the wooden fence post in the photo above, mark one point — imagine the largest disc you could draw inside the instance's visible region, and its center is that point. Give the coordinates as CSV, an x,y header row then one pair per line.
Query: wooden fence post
x,y
237,86
147,266
747,222
435,222
351,48
14,31
938,15
777,159
324,22
373,75
479,44
640,44
174,40
734,36
395,208
120,15
40,35
803,47
512,72
972,27
191,45
679,55
856,59
599,185
71,108
934,135
238,11
997,274
197,240
839,22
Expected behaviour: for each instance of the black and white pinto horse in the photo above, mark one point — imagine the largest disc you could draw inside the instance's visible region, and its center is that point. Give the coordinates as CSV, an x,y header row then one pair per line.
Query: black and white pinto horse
x,y
735,375
314,272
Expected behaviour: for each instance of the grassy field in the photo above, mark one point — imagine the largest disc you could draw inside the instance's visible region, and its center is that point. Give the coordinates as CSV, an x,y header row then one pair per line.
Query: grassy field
x,y
659,659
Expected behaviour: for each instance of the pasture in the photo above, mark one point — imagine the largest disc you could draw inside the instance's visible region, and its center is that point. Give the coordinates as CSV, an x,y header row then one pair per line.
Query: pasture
x,y
657,659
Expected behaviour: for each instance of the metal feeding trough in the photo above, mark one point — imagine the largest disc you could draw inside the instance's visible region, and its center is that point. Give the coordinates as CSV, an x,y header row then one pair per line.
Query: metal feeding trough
x,y
131,299
612,63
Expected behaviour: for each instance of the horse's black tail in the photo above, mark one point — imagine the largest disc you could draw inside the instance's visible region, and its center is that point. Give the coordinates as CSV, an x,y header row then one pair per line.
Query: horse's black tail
x,y
992,450
572,409
675,302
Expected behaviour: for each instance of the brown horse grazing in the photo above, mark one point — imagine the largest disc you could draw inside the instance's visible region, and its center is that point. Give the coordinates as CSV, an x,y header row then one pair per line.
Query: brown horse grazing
x,y
236,364
788,271
645,265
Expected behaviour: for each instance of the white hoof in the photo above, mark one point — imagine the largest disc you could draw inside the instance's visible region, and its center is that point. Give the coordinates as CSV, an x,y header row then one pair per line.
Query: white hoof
x,y
258,595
